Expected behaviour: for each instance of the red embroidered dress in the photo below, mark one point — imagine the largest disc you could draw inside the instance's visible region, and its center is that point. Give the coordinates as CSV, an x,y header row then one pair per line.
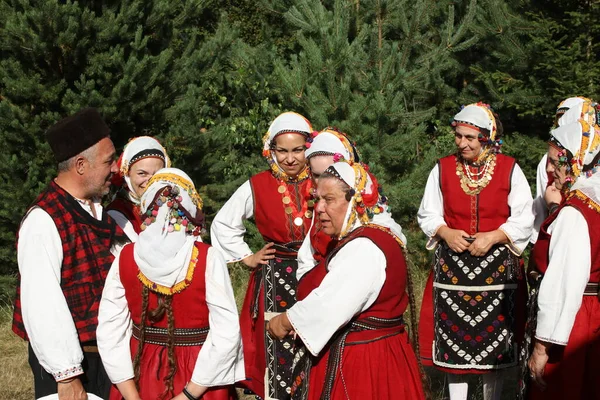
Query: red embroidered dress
x,y
384,343
86,244
272,288
571,369
472,314
190,311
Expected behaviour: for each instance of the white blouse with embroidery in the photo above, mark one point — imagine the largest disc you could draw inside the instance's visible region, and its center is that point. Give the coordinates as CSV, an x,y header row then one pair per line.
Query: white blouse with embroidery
x,y
227,229
347,290
540,208
563,284
517,227
220,361
124,223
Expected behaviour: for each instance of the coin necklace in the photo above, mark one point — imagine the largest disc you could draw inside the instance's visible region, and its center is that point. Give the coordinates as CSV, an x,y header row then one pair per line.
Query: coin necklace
x,y
290,207
472,183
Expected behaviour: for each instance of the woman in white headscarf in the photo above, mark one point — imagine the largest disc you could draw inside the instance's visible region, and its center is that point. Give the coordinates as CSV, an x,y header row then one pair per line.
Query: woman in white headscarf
x,y
141,158
323,149
349,314
564,362
477,213
573,107
168,324
279,200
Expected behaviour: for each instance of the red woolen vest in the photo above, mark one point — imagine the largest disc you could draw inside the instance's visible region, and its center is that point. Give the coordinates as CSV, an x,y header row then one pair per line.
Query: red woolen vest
x,y
129,210
269,211
189,305
393,299
484,212
86,244
540,256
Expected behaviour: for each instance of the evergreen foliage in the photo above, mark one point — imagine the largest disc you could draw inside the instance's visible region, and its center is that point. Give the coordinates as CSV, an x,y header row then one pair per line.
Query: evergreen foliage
x,y
207,77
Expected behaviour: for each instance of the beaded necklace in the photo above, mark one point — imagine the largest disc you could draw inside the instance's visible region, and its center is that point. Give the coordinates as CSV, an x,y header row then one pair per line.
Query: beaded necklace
x,y
472,183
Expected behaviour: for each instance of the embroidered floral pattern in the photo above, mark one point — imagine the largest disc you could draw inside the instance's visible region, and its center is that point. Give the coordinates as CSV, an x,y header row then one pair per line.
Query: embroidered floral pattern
x,y
67,373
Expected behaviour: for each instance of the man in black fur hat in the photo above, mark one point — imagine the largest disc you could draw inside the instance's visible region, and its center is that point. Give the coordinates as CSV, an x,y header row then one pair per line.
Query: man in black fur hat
x,y
64,254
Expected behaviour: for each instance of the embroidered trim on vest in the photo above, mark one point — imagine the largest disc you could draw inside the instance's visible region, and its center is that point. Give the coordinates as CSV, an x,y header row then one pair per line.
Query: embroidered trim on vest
x,y
585,199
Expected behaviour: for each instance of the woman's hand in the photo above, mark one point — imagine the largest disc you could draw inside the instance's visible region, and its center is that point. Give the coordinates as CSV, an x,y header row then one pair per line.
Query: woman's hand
x,y
128,390
537,362
552,196
485,240
197,391
279,326
454,238
260,257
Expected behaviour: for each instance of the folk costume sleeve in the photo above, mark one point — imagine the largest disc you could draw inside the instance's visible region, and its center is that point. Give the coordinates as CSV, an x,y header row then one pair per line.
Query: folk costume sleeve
x,y
227,230
306,259
431,212
562,288
348,289
114,328
124,223
44,307
221,360
519,225
540,210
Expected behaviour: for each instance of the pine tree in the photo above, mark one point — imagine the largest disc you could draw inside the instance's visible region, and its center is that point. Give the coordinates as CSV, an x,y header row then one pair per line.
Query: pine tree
x,y
58,57
379,71
532,55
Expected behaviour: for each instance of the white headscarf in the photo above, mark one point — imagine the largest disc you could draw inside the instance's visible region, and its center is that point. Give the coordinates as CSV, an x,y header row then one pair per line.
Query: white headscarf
x,y
288,122
577,108
479,115
330,142
374,209
137,149
163,252
583,141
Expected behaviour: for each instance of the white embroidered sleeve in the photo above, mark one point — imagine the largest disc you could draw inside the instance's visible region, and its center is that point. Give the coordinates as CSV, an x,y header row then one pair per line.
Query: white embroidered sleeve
x,y
568,273
221,360
519,224
125,224
431,212
46,315
114,328
306,259
348,289
227,229
540,209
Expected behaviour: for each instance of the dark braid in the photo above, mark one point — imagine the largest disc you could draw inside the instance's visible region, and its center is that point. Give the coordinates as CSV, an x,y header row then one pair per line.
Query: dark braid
x,y
165,307
170,346
414,327
138,353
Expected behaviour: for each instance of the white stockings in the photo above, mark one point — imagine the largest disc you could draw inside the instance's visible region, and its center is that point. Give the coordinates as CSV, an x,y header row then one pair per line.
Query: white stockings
x,y
458,386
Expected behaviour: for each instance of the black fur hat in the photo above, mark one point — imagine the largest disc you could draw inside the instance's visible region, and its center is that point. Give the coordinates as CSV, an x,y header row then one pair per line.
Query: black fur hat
x,y
72,135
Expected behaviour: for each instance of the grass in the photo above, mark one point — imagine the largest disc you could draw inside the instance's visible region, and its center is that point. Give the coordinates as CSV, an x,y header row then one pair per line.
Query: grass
x,y
16,381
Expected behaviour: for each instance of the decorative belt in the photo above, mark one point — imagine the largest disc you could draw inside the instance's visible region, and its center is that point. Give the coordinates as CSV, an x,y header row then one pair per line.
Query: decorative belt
x,y
182,336
287,250
302,370
591,289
